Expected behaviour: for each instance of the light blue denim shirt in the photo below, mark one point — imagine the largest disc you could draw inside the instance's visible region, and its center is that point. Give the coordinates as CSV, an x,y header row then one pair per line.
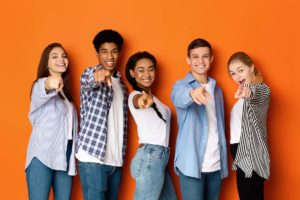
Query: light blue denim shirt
x,y
48,140
193,128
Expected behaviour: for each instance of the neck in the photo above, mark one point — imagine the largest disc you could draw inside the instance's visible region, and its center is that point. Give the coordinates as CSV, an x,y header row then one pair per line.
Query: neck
x,y
55,74
201,78
146,89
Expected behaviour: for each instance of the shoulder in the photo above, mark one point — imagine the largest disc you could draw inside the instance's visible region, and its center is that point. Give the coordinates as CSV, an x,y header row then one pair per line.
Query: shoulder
x,y
182,82
263,87
89,69
133,93
40,83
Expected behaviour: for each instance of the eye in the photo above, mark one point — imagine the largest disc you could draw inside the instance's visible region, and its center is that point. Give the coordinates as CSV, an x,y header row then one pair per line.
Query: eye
x,y
152,69
103,51
232,73
240,71
115,51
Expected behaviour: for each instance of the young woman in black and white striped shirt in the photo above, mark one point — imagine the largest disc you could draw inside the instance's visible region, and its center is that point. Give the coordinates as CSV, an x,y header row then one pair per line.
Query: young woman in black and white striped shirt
x,y
248,131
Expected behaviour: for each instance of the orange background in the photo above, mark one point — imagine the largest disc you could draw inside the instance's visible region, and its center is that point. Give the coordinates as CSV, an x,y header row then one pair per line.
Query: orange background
x,y
267,30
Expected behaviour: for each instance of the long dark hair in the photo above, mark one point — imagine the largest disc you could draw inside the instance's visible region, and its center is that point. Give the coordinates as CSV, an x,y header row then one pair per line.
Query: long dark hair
x,y
131,64
44,72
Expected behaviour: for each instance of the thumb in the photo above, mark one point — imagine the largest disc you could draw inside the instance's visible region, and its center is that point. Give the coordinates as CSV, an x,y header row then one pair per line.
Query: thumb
x,y
144,95
60,85
108,81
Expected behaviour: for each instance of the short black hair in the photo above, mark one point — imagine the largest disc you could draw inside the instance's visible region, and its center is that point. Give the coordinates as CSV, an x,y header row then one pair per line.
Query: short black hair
x,y
199,42
108,35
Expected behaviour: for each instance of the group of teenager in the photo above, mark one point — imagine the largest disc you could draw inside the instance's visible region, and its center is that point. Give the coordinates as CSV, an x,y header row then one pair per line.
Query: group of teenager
x,y
99,144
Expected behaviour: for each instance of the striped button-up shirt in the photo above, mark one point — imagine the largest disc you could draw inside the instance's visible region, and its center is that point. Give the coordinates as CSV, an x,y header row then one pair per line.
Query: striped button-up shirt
x,y
252,153
96,99
49,137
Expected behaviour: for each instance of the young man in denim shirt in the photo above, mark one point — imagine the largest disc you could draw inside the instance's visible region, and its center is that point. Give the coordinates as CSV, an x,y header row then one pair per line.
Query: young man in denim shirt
x,y
200,157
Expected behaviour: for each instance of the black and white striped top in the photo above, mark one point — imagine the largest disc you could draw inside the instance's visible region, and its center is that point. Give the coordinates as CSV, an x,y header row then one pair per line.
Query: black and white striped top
x,y
252,153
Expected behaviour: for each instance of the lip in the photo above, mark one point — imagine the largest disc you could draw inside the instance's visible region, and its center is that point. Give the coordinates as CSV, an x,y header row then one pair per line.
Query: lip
x,y
242,82
61,65
200,66
147,80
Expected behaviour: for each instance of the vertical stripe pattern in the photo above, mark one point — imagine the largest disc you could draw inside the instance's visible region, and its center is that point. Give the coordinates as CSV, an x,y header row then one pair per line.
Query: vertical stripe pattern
x,y
252,153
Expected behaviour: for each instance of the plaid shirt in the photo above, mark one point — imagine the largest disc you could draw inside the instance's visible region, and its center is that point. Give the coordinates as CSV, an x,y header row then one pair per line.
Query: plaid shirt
x,y
96,99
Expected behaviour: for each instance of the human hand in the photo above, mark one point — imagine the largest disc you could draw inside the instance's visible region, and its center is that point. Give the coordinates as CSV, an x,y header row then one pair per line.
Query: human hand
x,y
200,95
145,100
103,75
54,82
242,92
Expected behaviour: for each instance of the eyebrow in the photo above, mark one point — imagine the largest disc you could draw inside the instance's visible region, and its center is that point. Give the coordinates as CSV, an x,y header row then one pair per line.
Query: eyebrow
x,y
57,53
151,66
236,69
107,49
195,54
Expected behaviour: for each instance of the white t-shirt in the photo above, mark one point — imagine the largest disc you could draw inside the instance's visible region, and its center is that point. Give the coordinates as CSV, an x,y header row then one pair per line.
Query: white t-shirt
x,y
211,161
151,129
114,143
69,117
236,121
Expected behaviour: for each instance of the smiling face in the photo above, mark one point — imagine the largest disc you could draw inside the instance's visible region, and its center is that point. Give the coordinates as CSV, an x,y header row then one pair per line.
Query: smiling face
x,y
200,60
240,72
144,73
58,61
108,55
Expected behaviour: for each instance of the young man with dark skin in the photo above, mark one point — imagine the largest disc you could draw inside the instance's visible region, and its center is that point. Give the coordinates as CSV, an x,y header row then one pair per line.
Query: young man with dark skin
x,y
101,142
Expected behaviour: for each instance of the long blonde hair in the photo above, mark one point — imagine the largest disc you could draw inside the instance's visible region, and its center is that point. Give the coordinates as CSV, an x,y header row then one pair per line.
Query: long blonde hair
x,y
245,58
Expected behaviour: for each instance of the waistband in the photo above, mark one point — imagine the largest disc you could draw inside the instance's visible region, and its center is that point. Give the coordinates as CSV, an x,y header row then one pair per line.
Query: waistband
x,y
154,146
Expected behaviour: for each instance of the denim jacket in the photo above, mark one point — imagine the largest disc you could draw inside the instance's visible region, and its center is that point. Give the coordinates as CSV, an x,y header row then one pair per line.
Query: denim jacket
x,y
193,128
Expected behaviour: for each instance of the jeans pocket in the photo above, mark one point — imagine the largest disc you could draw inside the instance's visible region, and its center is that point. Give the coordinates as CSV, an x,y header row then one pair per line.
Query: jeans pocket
x,y
159,155
136,166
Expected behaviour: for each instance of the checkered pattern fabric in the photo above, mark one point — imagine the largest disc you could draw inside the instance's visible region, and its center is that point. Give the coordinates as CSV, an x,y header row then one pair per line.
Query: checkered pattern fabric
x,y
96,99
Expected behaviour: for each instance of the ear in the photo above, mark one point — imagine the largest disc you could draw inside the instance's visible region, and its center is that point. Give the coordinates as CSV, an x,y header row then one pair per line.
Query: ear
x,y
252,68
131,73
188,61
97,54
211,58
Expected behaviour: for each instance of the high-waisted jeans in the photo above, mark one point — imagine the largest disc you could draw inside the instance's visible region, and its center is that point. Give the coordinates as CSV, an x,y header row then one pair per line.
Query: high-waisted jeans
x,y
148,168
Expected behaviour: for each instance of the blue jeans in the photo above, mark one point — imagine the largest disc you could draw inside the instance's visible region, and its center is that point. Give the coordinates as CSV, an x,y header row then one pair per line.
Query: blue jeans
x,y
148,168
98,181
206,188
40,178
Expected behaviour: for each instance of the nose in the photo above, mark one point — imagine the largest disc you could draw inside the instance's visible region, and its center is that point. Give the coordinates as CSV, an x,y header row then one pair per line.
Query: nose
x,y
146,74
201,59
60,58
110,54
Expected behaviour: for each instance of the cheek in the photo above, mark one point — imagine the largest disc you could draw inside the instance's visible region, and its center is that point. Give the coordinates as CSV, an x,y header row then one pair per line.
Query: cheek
x,y
138,75
67,62
50,63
